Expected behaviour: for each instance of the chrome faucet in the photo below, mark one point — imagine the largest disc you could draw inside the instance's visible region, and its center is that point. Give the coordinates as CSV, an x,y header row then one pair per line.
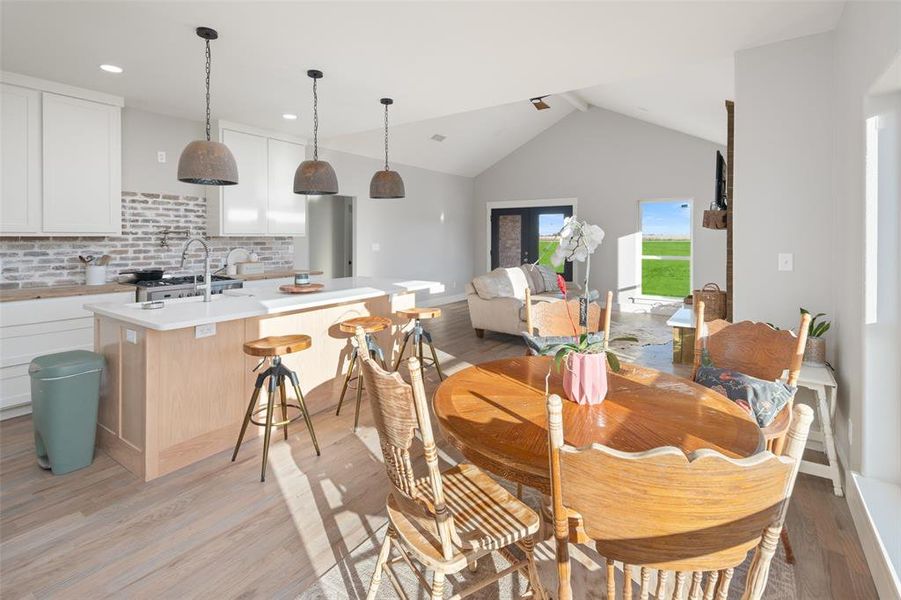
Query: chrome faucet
x,y
207,285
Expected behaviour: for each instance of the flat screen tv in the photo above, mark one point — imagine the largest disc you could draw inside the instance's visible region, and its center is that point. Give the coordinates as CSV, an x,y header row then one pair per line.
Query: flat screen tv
x,y
719,201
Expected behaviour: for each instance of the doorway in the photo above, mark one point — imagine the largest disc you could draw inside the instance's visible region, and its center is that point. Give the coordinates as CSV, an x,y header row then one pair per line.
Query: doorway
x,y
330,220
523,235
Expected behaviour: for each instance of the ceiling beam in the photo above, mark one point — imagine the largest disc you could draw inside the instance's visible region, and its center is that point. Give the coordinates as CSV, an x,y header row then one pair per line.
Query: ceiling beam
x,y
576,100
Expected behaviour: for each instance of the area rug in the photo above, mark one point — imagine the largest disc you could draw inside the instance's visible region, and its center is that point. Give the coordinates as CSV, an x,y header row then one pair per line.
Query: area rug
x,y
349,579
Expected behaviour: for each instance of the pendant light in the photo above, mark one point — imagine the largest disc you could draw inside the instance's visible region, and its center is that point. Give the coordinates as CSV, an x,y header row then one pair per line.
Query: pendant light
x,y
315,177
204,161
386,183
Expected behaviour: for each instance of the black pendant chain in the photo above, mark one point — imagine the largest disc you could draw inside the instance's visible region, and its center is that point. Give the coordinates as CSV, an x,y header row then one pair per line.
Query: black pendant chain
x,y
208,64
386,137
315,122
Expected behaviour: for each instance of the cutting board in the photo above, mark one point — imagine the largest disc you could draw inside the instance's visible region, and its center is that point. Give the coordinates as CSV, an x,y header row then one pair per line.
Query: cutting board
x,y
300,289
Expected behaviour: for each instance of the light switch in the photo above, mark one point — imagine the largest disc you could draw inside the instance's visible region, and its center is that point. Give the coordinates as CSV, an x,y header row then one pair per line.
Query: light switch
x,y
376,246
786,262
131,336
205,330
161,157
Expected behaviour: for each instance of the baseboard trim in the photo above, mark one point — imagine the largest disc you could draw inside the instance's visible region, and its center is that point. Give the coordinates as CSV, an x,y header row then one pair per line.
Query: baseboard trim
x,y
884,576
15,411
442,300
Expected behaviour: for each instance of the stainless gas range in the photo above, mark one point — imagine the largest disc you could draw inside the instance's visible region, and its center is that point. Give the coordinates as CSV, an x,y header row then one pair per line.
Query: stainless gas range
x,y
181,287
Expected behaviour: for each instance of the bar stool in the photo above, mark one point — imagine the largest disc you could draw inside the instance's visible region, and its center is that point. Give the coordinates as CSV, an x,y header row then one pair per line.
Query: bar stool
x,y
417,315
272,349
369,325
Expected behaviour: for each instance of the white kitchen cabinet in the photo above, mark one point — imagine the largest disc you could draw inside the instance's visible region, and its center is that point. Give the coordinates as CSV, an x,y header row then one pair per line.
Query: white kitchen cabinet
x,y
82,164
20,151
287,214
61,159
263,202
244,205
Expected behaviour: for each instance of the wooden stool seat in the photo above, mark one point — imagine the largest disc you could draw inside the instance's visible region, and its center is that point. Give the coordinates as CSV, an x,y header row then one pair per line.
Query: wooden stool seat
x,y
419,313
278,345
370,324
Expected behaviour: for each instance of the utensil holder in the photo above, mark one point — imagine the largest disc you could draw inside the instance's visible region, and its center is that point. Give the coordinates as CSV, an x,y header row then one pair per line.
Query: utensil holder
x,y
95,274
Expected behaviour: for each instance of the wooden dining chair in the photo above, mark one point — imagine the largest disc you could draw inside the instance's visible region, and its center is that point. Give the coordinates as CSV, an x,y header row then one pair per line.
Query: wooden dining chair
x,y
758,350
548,318
660,512
447,520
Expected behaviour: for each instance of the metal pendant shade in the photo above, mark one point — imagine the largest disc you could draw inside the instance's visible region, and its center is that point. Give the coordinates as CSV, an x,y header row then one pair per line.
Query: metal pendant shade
x,y
315,177
386,184
206,162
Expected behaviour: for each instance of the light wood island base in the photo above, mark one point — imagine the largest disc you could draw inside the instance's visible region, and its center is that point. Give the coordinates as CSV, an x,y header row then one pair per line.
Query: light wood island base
x,y
169,399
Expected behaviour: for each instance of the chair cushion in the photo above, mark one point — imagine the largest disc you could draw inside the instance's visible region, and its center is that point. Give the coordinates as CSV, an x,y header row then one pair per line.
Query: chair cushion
x,y
538,344
762,399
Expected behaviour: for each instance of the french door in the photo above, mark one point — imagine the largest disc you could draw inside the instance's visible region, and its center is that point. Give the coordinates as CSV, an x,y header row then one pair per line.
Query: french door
x,y
527,235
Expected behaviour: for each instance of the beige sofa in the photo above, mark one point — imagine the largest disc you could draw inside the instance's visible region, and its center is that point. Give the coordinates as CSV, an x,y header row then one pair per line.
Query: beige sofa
x,y
497,299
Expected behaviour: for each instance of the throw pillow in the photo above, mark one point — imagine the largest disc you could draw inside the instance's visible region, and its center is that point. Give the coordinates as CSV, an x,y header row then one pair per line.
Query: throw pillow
x,y
538,344
536,281
495,284
762,399
549,277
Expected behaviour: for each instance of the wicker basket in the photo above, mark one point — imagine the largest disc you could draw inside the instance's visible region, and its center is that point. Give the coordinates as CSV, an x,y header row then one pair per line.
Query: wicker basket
x,y
714,301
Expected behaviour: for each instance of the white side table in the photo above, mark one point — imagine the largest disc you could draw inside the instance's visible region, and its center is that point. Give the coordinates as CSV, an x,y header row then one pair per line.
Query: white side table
x,y
821,382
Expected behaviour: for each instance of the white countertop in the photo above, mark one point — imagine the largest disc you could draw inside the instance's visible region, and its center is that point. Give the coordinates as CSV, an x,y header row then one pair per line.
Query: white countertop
x,y
256,301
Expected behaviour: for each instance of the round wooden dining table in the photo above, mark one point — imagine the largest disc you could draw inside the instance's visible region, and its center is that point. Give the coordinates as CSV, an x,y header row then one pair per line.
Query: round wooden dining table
x,y
495,414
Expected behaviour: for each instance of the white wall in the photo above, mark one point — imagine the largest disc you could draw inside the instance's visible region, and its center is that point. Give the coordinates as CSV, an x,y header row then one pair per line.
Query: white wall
x,y
609,162
427,235
143,135
782,188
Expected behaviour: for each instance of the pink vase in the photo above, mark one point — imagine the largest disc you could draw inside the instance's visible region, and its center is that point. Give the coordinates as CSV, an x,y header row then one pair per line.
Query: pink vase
x,y
585,378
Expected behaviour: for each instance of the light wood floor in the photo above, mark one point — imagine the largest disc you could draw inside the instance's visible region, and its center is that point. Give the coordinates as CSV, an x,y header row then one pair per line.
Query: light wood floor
x,y
212,530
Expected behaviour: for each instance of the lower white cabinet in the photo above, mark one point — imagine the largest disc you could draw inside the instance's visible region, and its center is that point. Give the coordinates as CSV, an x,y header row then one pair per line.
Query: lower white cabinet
x,y
263,202
32,328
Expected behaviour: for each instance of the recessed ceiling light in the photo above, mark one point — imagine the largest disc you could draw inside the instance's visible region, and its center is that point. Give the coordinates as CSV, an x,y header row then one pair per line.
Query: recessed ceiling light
x,y
289,117
111,68
438,137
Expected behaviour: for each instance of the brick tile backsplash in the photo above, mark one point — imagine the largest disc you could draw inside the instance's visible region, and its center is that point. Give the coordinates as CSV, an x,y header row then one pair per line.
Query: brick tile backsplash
x,y
44,261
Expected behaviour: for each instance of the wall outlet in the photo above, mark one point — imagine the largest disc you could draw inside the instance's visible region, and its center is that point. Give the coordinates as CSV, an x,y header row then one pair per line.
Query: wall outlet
x,y
786,262
131,336
206,330
161,157
376,246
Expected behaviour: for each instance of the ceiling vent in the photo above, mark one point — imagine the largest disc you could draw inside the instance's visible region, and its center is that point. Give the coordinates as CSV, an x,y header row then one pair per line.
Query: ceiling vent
x,y
438,137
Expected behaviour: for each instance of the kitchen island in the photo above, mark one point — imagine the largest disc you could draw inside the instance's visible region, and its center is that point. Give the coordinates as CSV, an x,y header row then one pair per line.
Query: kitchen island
x,y
177,381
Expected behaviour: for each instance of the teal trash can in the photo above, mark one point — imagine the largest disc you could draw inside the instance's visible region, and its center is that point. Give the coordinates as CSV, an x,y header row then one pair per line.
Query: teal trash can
x,y
65,393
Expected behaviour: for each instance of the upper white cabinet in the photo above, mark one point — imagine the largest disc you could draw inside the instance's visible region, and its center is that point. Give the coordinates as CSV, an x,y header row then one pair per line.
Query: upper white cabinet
x,y
263,202
82,166
61,159
287,212
20,152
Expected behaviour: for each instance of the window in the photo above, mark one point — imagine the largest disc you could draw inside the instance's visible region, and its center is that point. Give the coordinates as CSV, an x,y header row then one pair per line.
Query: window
x,y
665,248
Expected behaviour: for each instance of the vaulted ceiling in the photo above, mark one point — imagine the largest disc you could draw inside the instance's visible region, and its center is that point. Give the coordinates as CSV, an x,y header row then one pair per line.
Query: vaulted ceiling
x,y
467,66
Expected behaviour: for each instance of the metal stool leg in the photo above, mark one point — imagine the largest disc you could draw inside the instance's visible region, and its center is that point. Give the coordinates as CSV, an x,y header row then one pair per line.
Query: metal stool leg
x,y
403,347
350,370
375,351
428,339
284,394
303,408
359,395
253,402
419,342
267,435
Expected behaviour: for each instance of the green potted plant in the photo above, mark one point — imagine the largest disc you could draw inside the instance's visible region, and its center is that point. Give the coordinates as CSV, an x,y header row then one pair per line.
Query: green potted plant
x,y
584,361
815,350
